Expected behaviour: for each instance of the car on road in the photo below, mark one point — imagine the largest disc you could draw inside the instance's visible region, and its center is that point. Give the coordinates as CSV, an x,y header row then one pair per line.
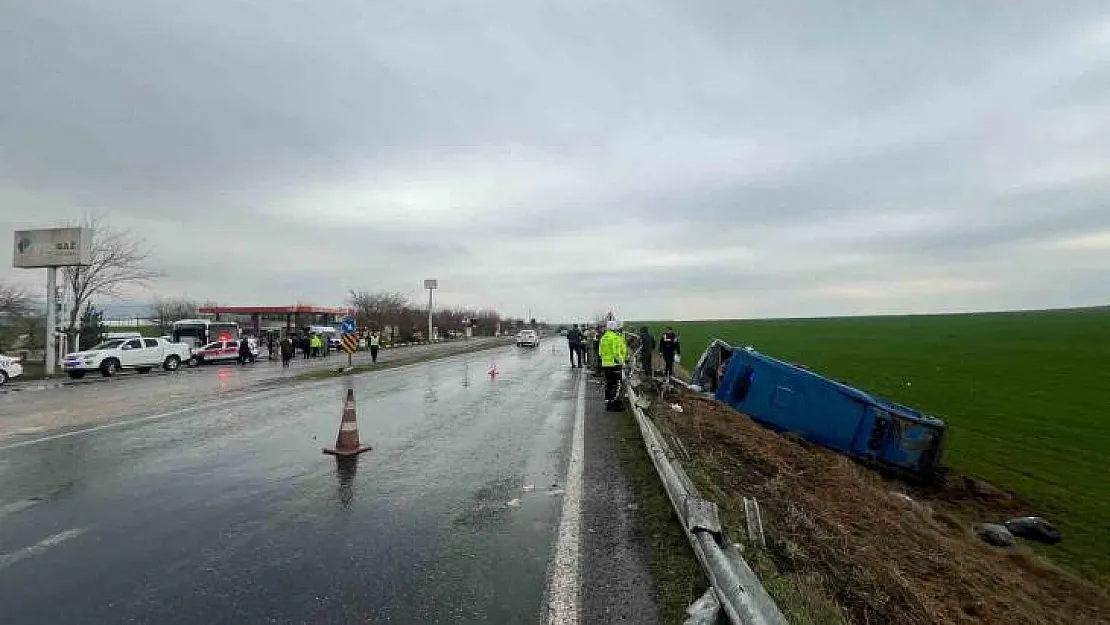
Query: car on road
x,y
528,338
142,355
221,351
10,367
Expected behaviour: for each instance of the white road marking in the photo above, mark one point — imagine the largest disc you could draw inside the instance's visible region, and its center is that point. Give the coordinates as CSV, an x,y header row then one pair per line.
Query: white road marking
x,y
17,506
40,547
562,593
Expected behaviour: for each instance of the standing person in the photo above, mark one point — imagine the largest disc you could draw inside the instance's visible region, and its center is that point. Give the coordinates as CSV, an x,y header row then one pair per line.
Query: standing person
x,y
270,345
647,350
244,351
286,351
670,349
588,340
614,354
595,349
375,343
574,342
306,349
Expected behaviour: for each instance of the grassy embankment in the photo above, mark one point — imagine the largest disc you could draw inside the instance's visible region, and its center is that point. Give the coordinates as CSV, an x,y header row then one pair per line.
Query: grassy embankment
x,y
1024,395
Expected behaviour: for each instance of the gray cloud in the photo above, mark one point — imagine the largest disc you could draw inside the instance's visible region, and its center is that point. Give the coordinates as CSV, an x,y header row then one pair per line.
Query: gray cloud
x,y
668,160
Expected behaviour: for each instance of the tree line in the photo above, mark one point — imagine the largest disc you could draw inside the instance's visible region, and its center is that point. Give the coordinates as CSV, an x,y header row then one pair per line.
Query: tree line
x,y
383,309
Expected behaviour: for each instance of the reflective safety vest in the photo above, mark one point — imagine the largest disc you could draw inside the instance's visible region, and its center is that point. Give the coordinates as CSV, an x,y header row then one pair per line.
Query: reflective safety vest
x,y
375,340
613,350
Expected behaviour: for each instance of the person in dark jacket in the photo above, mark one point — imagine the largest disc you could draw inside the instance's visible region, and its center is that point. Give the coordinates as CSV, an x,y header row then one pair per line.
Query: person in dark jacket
x,y
245,355
670,349
574,342
647,351
286,351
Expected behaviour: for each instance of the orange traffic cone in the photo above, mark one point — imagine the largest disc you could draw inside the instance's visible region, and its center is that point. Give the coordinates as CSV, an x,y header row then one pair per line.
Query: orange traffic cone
x,y
346,444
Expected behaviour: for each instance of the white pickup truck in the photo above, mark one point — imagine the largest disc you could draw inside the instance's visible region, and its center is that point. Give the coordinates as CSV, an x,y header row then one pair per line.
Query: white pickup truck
x,y
9,368
142,355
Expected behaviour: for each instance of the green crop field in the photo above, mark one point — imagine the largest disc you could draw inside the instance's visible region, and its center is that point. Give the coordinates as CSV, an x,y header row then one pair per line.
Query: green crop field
x,y
1026,396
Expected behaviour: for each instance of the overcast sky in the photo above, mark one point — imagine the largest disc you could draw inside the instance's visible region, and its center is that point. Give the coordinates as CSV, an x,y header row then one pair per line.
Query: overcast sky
x,y
663,159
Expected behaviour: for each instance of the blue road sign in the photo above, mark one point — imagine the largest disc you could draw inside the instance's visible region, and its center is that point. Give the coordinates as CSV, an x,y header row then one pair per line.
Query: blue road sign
x,y
348,325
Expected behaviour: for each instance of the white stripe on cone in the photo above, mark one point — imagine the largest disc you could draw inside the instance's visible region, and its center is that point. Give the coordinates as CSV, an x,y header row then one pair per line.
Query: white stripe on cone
x,y
348,426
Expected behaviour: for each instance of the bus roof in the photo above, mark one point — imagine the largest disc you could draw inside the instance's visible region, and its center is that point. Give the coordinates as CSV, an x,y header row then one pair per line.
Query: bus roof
x,y
203,322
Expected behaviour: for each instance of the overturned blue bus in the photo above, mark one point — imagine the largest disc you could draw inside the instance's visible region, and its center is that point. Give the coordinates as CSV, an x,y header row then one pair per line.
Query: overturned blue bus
x,y
790,398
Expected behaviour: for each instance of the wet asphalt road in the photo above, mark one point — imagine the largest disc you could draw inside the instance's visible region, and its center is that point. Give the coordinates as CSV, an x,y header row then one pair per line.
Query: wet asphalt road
x,y
30,408
227,511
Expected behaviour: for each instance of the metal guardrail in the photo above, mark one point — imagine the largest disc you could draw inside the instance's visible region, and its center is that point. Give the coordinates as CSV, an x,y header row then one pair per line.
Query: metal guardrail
x,y
735,588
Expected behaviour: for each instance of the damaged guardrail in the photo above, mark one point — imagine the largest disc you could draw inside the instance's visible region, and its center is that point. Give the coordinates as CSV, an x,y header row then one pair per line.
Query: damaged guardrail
x,y
735,588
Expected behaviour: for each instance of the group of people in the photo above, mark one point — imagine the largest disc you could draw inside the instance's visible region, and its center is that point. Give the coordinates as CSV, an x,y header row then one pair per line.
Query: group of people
x,y
311,346
669,349
583,343
606,350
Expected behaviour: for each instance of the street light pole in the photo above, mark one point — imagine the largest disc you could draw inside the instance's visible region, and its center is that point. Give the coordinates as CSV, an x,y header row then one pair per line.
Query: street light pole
x,y
431,285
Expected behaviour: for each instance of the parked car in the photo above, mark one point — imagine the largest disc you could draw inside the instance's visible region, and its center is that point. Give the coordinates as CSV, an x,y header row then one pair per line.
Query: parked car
x,y
220,351
142,355
10,367
527,338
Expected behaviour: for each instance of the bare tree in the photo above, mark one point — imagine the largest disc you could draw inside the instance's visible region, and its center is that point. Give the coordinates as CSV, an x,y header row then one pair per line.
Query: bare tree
x,y
17,314
168,310
118,258
15,301
379,309
486,322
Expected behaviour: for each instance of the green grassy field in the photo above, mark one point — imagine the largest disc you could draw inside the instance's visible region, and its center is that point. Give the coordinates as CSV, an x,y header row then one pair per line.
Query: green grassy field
x,y
1026,397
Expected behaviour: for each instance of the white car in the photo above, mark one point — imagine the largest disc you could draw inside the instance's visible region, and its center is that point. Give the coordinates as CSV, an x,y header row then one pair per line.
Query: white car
x,y
142,355
9,368
527,338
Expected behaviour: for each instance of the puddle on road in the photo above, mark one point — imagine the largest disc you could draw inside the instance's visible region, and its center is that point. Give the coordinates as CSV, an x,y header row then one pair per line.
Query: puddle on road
x,y
488,506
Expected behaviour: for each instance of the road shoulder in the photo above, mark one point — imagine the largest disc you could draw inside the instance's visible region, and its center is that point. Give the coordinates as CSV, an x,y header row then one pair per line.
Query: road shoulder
x,y
617,581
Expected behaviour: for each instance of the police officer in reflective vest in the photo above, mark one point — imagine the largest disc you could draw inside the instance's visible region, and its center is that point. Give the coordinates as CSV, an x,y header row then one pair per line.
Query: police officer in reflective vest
x,y
375,342
614,354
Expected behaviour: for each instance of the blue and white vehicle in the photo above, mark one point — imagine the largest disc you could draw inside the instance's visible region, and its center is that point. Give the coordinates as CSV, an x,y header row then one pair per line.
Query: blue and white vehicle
x,y
330,334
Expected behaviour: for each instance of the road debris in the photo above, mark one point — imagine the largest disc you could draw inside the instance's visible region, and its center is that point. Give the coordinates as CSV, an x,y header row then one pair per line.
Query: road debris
x,y
994,534
1034,528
